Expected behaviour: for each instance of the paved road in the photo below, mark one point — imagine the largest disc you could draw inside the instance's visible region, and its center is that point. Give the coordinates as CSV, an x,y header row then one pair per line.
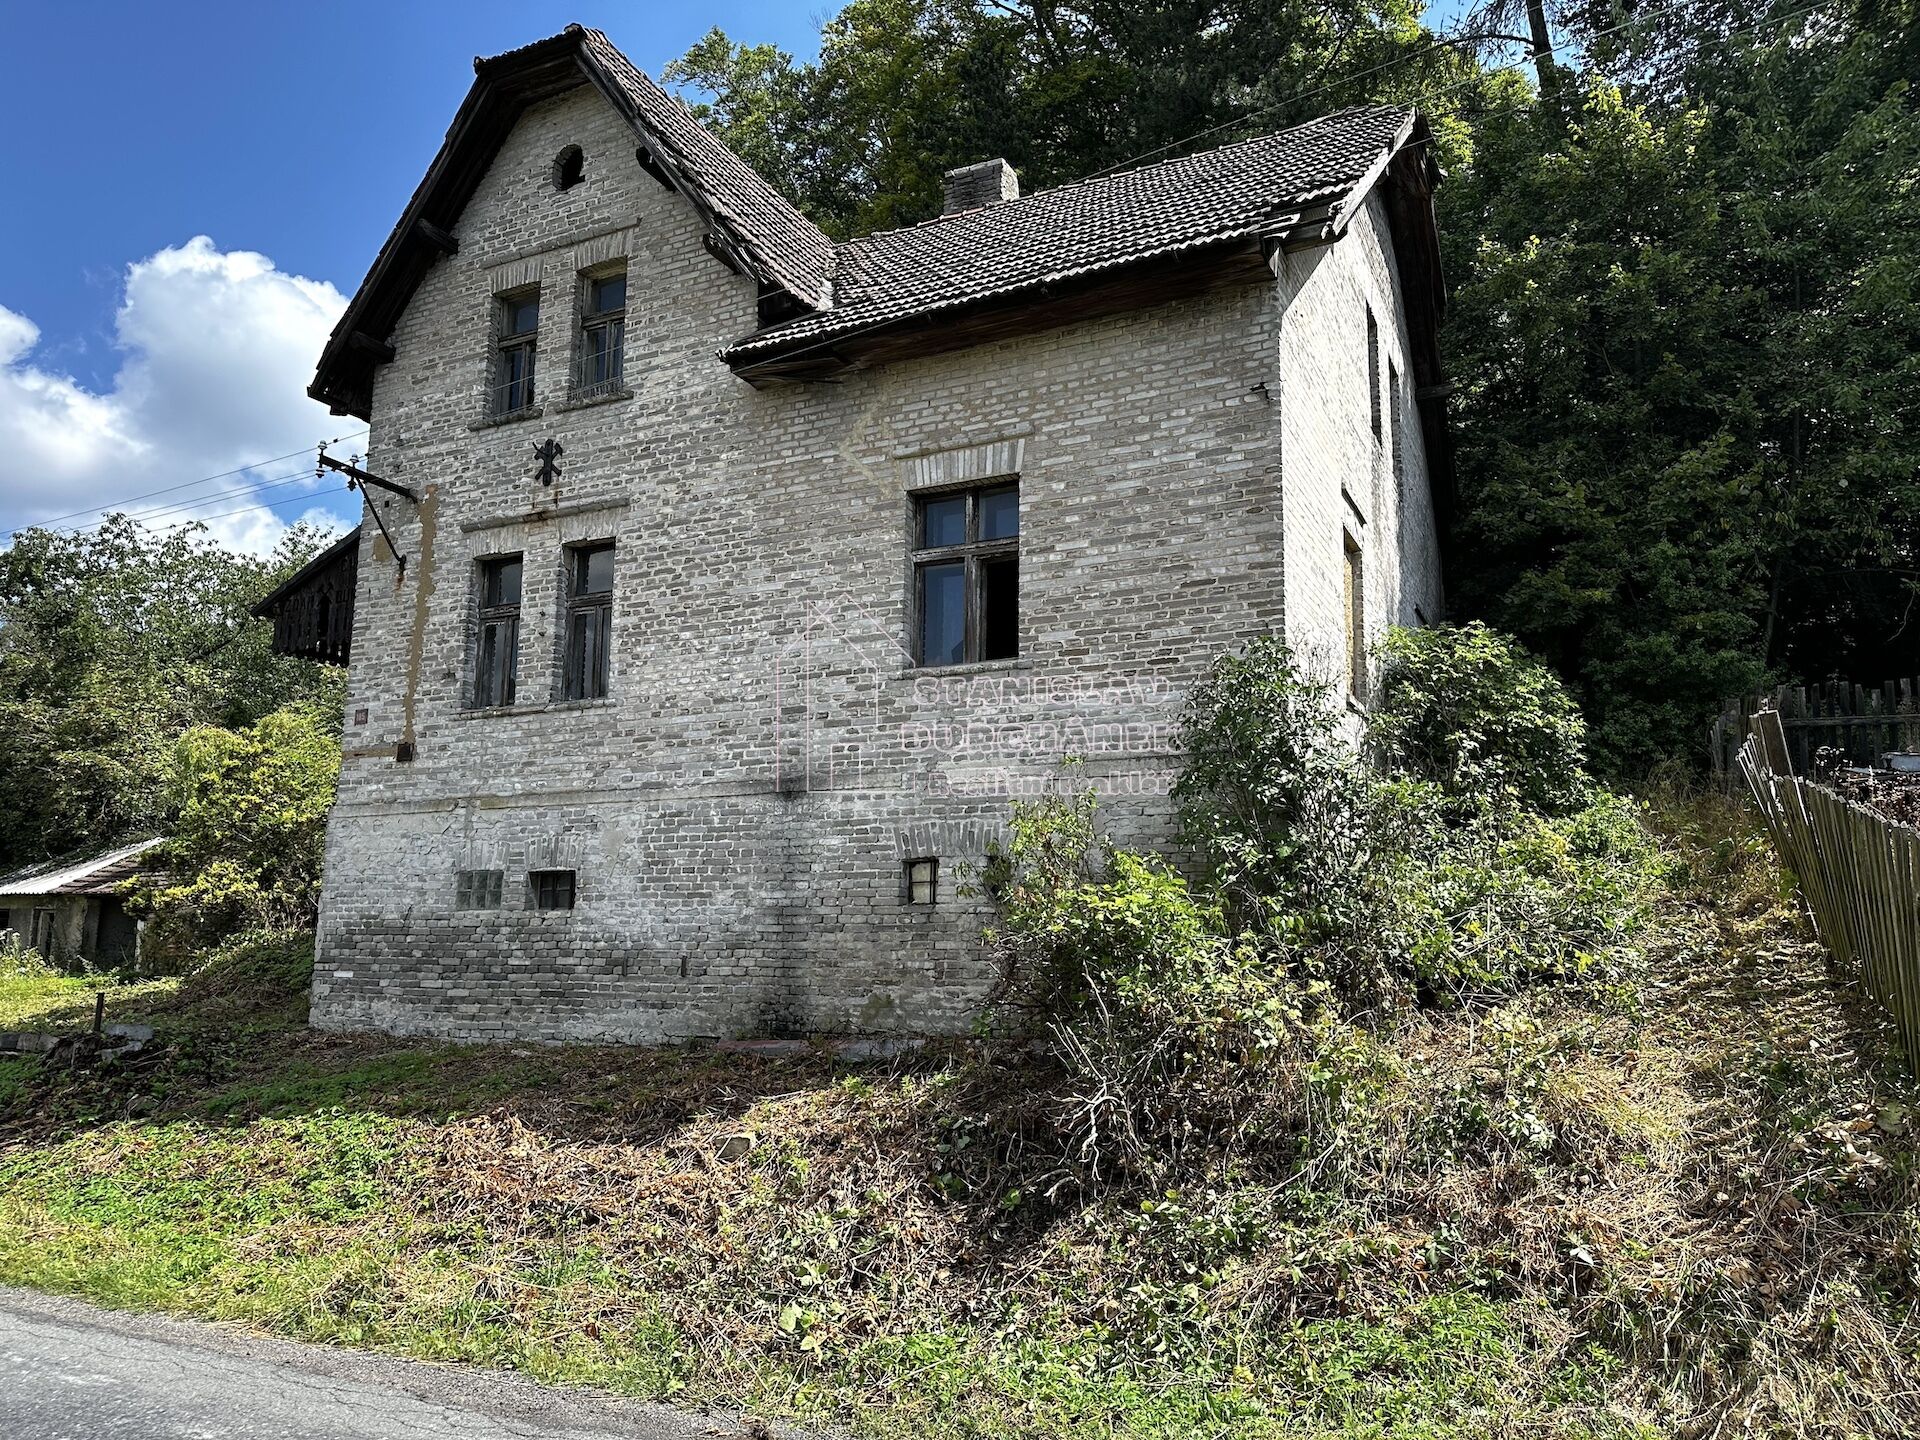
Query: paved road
x,y
71,1372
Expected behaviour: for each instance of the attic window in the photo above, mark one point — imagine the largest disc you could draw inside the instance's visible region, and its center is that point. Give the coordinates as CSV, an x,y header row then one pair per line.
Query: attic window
x,y
569,168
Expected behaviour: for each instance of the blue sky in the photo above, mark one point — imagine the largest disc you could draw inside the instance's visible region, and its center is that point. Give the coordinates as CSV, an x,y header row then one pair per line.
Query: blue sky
x,y
289,137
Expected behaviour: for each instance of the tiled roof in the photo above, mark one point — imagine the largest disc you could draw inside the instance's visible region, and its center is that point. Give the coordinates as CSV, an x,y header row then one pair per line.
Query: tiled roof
x,y
794,250
94,875
1274,186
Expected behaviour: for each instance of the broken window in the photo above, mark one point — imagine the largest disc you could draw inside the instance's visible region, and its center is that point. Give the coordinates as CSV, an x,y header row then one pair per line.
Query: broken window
x,y
569,168
551,889
589,621
966,568
920,884
478,889
603,334
497,662
519,334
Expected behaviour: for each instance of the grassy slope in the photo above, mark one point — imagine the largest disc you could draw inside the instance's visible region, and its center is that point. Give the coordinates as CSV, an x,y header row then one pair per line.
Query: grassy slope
x,y
1569,1218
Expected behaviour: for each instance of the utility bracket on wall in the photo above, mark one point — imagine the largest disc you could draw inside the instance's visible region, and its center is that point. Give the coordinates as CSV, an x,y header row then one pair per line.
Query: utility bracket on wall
x,y
358,479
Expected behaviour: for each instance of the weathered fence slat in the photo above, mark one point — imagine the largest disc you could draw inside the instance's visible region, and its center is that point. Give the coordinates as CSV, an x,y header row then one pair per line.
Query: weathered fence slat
x,y
1858,871
1862,722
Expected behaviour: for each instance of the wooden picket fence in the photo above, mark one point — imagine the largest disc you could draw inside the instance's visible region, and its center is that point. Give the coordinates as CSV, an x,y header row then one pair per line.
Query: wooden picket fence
x,y
1862,722
1859,874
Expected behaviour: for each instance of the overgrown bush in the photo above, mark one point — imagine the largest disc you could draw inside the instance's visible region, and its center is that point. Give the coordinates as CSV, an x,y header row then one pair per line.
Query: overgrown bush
x,y
1467,709
246,848
1329,897
262,975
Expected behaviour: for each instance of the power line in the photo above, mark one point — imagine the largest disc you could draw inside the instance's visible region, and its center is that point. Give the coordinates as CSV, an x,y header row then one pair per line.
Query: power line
x,y
112,505
268,483
249,509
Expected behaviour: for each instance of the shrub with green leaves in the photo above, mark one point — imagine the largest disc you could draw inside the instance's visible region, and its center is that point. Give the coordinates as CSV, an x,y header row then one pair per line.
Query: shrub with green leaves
x,y
246,848
1467,709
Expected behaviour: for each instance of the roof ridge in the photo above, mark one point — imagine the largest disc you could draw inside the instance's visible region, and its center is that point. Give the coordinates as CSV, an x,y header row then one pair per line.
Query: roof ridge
x,y
1108,175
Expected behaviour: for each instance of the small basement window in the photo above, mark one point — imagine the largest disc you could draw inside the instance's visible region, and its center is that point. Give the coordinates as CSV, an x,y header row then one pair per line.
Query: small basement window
x,y
477,889
551,889
920,884
569,168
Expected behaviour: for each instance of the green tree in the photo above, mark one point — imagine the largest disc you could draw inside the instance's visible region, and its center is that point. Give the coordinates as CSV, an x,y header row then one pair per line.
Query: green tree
x,y
1685,328
248,831
113,642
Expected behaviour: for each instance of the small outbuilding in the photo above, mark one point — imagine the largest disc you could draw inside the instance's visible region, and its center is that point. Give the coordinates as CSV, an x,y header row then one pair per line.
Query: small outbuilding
x,y
70,910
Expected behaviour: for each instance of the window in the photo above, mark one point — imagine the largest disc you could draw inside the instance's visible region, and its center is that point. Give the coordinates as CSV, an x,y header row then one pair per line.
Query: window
x,y
569,168
920,884
589,621
1356,608
1373,371
519,334
477,889
1393,426
6,921
603,334
966,575
497,661
550,889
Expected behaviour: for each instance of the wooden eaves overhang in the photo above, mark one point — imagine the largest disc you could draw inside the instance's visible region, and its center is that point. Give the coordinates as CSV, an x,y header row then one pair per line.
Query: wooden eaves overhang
x,y
792,278
312,609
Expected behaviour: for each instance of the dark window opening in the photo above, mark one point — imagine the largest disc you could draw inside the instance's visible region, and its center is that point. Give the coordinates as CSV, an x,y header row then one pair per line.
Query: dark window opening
x,y
519,337
497,660
1356,607
478,889
551,889
920,882
569,168
966,567
603,335
1393,429
589,628
1373,372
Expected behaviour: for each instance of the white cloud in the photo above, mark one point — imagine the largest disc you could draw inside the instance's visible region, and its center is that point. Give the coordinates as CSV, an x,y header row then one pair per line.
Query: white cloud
x,y
217,349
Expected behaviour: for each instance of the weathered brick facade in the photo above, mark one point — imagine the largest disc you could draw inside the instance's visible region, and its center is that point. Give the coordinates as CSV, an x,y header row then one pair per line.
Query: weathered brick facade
x,y
739,809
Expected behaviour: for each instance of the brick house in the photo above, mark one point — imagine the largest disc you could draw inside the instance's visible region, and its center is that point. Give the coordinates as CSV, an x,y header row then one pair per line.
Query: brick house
x,y
725,582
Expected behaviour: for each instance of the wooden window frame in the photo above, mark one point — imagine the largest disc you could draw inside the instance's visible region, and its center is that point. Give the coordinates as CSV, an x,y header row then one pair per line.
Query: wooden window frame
x,y
584,607
508,344
479,889
973,552
542,883
908,881
591,321
492,616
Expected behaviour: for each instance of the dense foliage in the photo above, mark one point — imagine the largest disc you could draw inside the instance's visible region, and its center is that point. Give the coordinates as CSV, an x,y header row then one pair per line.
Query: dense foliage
x,y
1334,899
248,831
1684,251
113,643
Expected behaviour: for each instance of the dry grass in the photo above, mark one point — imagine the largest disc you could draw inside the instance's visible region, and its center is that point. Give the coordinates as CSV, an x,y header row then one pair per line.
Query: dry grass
x,y
1687,1211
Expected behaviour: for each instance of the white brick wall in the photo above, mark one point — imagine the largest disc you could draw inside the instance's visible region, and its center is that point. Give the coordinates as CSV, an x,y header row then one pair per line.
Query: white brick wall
x,y
739,808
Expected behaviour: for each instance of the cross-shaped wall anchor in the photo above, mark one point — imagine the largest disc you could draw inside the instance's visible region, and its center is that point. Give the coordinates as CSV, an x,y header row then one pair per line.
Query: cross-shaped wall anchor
x,y
548,453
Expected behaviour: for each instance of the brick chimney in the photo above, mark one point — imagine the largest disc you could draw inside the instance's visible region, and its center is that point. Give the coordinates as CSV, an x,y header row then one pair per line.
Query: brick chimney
x,y
988,183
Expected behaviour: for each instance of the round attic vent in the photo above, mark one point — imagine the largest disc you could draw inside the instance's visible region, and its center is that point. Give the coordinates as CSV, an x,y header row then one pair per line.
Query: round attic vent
x,y
569,168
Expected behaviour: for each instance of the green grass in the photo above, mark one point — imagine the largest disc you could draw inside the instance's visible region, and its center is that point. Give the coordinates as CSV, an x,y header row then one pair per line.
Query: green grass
x,y
884,1260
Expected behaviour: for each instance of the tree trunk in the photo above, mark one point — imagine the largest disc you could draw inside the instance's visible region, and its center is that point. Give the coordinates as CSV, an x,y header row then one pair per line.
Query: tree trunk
x,y
1543,62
